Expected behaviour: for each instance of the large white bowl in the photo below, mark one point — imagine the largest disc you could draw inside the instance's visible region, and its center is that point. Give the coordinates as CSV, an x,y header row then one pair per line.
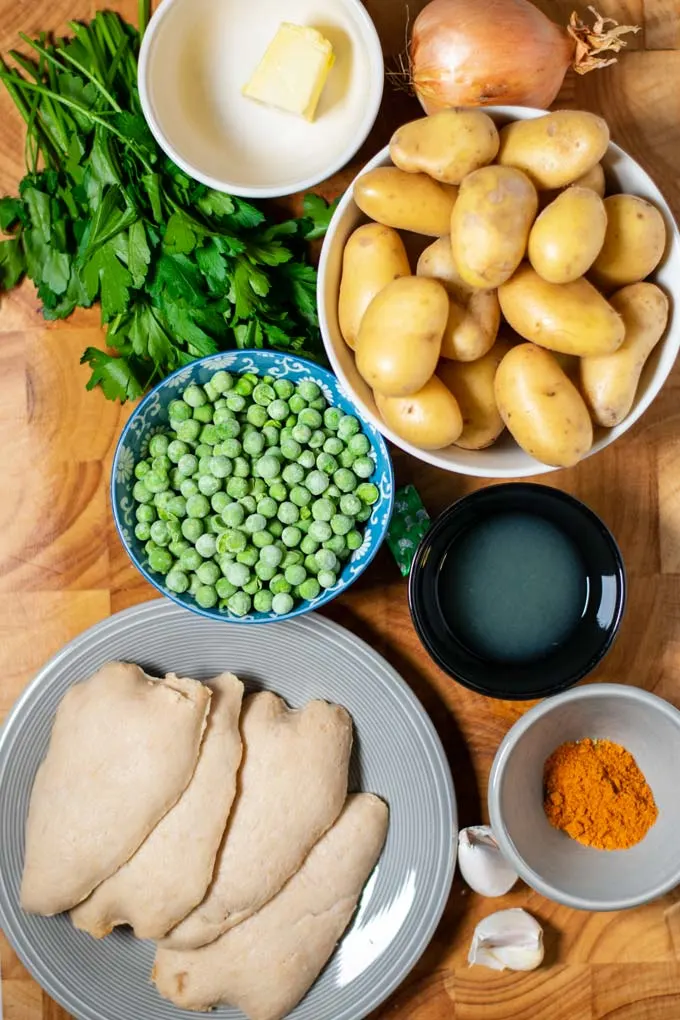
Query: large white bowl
x,y
505,459
196,57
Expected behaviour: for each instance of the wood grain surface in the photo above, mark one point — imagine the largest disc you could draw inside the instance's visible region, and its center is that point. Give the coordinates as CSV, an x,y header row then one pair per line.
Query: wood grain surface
x,y
62,568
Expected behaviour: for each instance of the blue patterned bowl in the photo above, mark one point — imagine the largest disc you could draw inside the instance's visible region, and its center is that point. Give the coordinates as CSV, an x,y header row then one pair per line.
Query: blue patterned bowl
x,y
151,417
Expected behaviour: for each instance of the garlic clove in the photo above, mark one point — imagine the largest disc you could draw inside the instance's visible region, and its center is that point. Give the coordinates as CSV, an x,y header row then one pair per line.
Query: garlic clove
x,y
507,940
482,863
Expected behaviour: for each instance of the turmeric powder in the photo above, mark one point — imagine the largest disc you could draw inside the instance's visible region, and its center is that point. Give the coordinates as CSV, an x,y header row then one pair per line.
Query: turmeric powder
x,y
595,792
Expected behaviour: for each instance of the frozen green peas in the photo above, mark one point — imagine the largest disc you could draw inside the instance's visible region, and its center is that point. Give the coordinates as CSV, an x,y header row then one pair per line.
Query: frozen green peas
x,y
254,494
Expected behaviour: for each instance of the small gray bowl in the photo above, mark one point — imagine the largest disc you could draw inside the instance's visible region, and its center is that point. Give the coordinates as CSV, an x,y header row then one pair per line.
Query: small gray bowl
x,y
550,861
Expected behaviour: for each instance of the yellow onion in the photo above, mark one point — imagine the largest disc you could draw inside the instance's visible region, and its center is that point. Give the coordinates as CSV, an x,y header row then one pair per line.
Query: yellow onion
x,y
502,52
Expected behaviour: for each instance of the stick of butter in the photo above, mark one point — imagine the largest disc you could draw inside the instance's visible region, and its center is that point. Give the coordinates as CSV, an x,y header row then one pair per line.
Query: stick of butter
x,y
293,71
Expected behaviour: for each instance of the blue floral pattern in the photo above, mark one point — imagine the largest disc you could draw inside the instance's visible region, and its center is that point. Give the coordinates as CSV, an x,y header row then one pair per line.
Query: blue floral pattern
x,y
151,417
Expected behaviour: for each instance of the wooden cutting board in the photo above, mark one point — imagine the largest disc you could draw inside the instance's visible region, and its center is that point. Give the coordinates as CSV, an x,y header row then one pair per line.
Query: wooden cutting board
x,y
63,569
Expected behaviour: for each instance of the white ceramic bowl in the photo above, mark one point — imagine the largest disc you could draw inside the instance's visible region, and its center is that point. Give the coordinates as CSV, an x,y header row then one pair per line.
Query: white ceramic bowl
x,y
504,459
550,861
196,57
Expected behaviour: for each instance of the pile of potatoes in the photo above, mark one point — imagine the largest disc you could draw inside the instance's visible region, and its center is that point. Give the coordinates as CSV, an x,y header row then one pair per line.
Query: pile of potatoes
x,y
527,249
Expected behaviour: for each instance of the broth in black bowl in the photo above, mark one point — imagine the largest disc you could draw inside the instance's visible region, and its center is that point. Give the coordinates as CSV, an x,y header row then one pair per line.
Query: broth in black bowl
x,y
517,591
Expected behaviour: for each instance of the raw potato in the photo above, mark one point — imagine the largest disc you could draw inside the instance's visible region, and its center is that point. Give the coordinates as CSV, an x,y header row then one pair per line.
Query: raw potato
x,y
609,383
429,419
405,201
556,149
490,225
374,256
593,179
447,146
568,235
572,318
634,243
542,409
401,335
472,384
474,315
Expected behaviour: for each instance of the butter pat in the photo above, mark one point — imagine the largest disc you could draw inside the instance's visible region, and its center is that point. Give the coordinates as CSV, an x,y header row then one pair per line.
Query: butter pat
x,y
293,71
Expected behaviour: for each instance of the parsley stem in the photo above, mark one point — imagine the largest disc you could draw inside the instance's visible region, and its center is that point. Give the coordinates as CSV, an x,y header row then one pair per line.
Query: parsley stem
x,y
143,15
76,63
71,104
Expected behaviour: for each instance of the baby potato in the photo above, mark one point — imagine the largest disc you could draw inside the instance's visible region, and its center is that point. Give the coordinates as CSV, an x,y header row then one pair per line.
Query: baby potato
x,y
374,256
400,335
567,237
429,419
556,149
609,383
405,201
633,245
572,318
593,179
447,146
474,315
472,384
541,408
490,225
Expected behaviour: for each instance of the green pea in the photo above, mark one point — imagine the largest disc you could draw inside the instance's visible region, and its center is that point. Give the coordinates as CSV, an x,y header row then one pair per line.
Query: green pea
x,y
198,506
291,536
284,389
275,451
224,588
311,566
264,571
228,429
190,559
220,501
206,545
142,468
348,426
288,513
178,410
297,403
160,560
309,589
243,386
178,546
267,467
320,531
143,531
276,528
177,581
346,458
341,524
188,487
301,433
231,541
332,417
159,533
368,493
327,463
158,445
221,381
188,431
253,586
279,585
220,467
308,389
236,402
363,467
282,603
161,465
263,394
238,574
208,572
161,499
204,465
292,557
334,446
214,524
208,485
310,416
257,415
175,478
271,555
333,492
241,468
194,584
145,513
253,444
295,574
194,395
204,413
192,527
187,464
323,509
345,479
307,459
364,514
210,435
300,495
262,600
156,481
268,507
262,538
175,450
320,404
305,521
336,543
278,491
210,392
291,450
223,415
317,439
255,522
233,515
308,545
206,596
292,474
249,504
359,444
327,578
278,410
258,487
326,559
354,540
350,504
237,487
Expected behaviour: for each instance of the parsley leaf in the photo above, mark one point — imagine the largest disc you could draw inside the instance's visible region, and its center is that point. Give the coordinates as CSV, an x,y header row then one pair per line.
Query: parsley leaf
x,y
115,375
105,272
212,265
12,263
302,281
179,238
319,213
139,254
11,213
180,277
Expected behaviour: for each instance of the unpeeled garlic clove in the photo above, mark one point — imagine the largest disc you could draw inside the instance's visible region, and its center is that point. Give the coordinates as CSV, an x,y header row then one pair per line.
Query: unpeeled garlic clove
x,y
507,940
482,863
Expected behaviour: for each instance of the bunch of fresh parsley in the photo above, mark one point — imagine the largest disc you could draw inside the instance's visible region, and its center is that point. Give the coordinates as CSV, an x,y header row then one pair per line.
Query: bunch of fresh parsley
x,y
180,270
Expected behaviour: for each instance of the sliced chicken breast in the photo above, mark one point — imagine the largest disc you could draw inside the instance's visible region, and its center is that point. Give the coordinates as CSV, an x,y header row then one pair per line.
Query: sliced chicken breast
x,y
122,751
172,869
292,787
268,963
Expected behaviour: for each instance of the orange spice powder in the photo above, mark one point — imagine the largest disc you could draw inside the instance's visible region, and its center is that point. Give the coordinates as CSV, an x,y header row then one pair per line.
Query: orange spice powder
x,y
595,792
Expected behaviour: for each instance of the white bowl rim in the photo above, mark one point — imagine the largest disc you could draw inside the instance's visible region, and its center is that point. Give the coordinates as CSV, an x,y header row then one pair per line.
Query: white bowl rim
x,y
508,744
432,457
371,109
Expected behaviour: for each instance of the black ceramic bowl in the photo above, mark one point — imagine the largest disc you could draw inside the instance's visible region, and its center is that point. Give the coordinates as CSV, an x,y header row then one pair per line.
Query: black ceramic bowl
x,y
593,632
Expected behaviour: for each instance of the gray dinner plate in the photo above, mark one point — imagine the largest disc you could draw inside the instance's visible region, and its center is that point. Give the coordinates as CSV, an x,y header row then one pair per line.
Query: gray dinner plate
x,y
397,755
